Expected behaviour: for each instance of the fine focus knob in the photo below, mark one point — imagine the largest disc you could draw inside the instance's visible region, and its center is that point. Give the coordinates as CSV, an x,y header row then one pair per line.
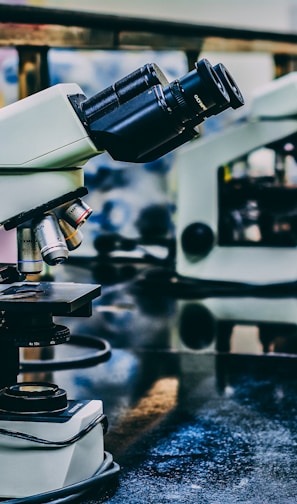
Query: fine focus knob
x,y
197,239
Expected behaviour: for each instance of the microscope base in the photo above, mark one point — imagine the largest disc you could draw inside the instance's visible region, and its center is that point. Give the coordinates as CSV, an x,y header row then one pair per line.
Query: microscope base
x,y
29,468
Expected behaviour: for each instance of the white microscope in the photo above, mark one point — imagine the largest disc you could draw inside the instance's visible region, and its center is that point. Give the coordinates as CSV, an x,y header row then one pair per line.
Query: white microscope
x,y
237,195
49,445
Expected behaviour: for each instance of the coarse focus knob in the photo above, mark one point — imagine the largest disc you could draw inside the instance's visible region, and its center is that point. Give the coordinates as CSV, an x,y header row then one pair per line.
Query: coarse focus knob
x,y
197,239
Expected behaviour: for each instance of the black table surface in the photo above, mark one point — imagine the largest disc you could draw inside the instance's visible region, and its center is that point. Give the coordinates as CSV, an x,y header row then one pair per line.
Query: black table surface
x,y
201,400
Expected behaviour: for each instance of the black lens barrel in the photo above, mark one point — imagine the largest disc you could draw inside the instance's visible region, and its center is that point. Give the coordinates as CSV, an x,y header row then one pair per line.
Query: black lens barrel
x,y
135,83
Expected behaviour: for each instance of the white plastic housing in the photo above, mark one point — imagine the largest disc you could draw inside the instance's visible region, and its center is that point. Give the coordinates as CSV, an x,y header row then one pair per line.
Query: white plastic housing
x,y
197,168
28,468
43,131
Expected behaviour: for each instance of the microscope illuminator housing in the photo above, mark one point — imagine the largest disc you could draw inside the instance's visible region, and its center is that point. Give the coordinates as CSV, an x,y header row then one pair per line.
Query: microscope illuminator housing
x,y
29,468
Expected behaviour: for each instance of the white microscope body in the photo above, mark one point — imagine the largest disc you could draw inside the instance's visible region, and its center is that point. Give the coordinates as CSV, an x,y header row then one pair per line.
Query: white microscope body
x,y
44,140
272,117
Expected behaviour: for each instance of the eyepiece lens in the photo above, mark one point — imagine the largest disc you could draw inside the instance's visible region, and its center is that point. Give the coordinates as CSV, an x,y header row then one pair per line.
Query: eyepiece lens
x,y
212,82
236,98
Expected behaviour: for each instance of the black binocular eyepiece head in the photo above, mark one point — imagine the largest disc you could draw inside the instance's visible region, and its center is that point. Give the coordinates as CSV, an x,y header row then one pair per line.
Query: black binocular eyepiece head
x,y
142,116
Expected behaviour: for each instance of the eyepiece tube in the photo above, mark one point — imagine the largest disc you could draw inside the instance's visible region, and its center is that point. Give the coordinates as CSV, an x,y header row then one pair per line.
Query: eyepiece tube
x,y
124,90
138,81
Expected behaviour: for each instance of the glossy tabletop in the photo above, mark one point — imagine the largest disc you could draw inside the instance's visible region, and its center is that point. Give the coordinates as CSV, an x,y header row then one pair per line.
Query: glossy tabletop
x,y
200,395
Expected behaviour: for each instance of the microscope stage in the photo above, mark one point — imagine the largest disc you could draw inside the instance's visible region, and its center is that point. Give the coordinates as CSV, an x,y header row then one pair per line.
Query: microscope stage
x,y
57,298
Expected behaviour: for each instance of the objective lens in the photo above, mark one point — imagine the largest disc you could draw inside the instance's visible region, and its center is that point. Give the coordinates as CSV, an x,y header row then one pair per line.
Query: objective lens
x,y
73,237
50,239
29,256
77,213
